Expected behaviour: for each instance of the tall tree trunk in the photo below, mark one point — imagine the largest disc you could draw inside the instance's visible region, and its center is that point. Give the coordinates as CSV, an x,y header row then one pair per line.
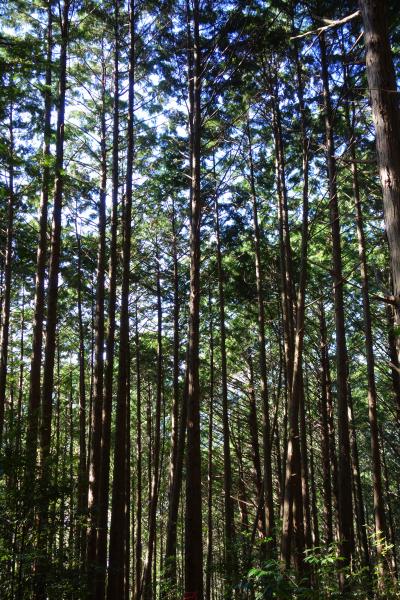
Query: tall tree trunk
x,y
386,115
103,491
5,308
326,377
115,587
255,447
193,517
230,558
147,573
174,490
325,442
358,492
210,474
379,509
82,472
52,303
296,394
139,507
98,368
344,470
268,490
39,302
394,359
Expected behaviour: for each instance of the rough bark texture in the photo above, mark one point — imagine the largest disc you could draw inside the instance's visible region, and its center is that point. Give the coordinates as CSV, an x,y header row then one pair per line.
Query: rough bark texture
x,y
386,115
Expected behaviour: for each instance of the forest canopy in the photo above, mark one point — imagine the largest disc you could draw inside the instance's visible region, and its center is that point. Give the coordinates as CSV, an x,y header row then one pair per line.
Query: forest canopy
x,y
199,299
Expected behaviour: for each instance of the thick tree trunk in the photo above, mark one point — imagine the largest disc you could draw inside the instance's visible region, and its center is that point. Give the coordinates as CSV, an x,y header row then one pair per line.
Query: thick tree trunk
x,y
386,115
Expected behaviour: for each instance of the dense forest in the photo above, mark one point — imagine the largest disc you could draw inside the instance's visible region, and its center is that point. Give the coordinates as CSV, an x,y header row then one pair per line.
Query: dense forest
x,y
200,299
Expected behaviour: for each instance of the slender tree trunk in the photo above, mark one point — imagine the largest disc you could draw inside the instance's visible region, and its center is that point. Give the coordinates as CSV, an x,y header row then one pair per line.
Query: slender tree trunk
x,y
209,560
98,368
39,302
358,493
379,510
344,470
139,546
230,558
147,573
5,308
268,490
394,359
253,426
82,471
104,483
174,490
325,445
326,377
52,303
193,517
115,586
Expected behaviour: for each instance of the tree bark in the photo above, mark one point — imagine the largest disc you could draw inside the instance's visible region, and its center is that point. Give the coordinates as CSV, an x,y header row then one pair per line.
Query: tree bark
x,y
98,369
386,116
104,483
344,470
52,305
5,308
39,302
193,517
116,571
230,558
268,490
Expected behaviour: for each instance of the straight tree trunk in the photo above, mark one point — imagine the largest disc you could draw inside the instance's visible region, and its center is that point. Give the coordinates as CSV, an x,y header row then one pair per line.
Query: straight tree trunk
x,y
230,558
40,276
116,575
139,507
147,573
358,492
210,474
82,471
268,490
344,471
386,115
379,509
325,442
174,489
5,307
52,304
255,447
193,516
98,367
105,451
